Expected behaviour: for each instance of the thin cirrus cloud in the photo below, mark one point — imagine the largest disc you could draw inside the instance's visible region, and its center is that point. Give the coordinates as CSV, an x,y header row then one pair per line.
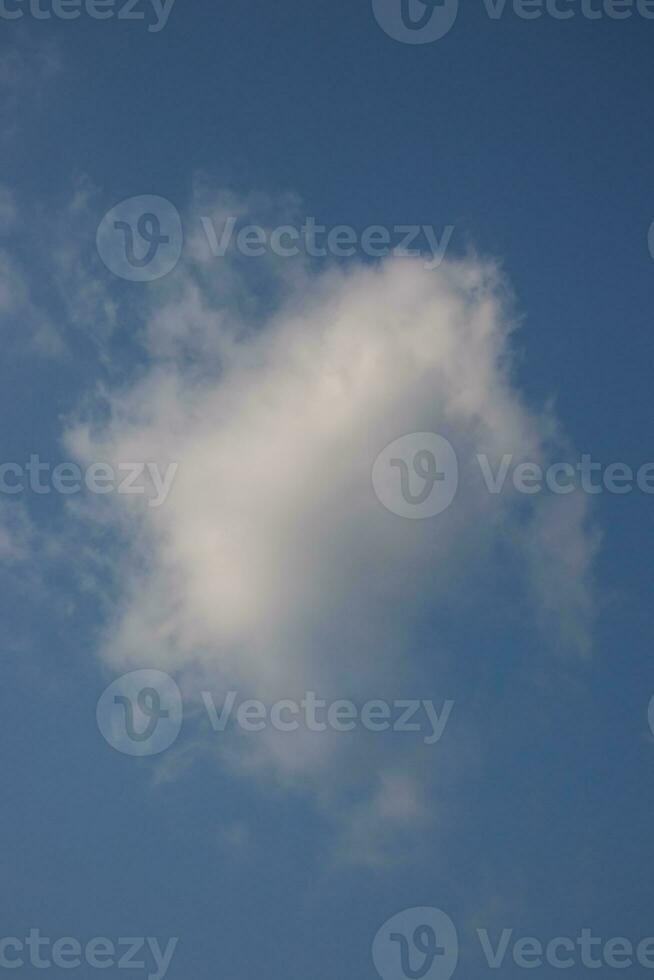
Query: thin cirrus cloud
x,y
272,568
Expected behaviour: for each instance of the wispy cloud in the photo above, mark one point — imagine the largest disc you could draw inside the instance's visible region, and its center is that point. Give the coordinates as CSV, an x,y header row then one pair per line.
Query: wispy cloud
x,y
27,67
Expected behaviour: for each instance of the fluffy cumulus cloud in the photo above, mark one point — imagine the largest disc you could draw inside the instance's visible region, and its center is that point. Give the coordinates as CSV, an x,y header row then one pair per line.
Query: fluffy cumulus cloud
x,y
272,567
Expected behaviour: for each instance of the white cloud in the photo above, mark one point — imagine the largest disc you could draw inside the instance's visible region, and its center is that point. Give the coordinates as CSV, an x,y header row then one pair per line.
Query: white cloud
x,y
272,566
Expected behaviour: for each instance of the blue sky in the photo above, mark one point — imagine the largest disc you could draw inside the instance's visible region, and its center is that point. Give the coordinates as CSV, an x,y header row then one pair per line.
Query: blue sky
x,y
272,568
